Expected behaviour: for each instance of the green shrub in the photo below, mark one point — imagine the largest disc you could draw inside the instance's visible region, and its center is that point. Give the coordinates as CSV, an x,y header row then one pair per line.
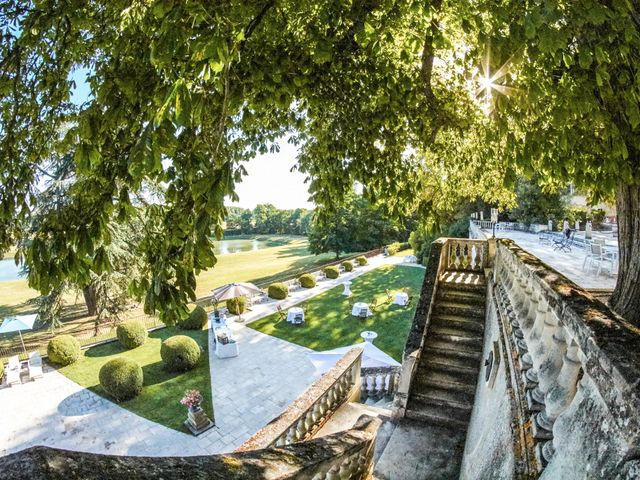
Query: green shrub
x,y
278,291
121,378
180,353
63,350
132,334
307,280
196,320
393,248
237,305
332,272
362,260
348,266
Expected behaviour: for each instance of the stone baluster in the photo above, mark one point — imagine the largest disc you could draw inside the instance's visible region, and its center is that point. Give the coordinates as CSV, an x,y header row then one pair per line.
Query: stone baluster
x,y
550,349
562,390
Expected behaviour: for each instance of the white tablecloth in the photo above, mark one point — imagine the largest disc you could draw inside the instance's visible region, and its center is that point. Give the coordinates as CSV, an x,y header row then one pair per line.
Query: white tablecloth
x,y
400,298
293,311
357,307
369,336
225,350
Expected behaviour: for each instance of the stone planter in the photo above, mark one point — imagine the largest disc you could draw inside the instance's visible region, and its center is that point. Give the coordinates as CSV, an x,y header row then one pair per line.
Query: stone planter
x,y
197,420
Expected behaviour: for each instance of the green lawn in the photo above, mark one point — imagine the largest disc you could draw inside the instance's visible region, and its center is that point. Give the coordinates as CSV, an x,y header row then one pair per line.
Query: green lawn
x,y
329,323
160,397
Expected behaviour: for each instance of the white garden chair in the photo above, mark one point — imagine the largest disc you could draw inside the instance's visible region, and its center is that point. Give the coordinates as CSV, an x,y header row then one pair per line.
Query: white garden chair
x,y
35,366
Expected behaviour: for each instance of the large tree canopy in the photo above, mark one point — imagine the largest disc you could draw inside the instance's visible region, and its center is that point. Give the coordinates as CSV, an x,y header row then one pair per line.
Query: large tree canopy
x,y
382,92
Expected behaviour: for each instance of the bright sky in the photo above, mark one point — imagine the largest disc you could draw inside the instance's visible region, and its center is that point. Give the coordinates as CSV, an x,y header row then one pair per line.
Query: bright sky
x,y
268,180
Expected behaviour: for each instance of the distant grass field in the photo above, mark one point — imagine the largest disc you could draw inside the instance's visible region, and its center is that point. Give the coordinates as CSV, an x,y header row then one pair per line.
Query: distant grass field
x,y
329,323
162,390
282,256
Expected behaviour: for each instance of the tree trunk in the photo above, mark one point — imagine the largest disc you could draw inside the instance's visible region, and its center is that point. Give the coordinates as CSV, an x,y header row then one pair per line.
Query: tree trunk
x,y
625,299
90,299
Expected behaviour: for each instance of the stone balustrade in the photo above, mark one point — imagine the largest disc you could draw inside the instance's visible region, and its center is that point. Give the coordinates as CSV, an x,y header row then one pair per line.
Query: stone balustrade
x,y
475,230
343,455
466,255
580,368
379,383
314,407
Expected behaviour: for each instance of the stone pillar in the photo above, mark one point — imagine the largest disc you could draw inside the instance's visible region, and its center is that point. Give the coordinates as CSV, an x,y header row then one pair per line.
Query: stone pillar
x,y
550,225
587,229
577,225
481,215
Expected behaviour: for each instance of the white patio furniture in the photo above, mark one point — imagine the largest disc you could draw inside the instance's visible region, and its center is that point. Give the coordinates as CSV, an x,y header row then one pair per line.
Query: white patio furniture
x,y
35,366
226,344
401,298
295,315
12,371
597,254
361,309
369,336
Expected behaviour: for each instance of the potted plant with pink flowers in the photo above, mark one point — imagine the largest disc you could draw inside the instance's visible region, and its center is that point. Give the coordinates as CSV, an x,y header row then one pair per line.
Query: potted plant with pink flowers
x,y
197,420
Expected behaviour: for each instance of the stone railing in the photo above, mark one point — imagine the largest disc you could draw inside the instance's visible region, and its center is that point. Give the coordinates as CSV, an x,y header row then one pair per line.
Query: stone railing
x,y
314,407
580,368
466,255
343,455
379,382
475,231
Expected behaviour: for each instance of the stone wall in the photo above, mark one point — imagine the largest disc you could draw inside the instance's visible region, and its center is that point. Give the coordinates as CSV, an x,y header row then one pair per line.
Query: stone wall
x,y
490,445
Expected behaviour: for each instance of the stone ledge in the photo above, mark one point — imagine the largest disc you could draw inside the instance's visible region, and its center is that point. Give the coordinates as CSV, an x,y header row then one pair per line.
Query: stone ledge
x,y
610,344
300,461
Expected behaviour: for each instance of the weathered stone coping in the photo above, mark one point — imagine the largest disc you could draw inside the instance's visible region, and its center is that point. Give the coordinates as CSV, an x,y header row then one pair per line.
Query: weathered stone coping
x,y
610,344
303,461
279,425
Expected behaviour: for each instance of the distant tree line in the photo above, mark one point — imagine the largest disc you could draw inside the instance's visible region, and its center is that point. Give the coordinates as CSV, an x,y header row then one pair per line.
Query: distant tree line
x,y
357,226
266,218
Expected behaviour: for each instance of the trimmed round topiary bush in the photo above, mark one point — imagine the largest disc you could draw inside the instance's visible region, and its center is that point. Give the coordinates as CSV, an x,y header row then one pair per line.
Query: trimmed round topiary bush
x,y
63,350
237,305
196,320
278,291
348,266
122,378
331,272
362,260
180,353
307,280
131,334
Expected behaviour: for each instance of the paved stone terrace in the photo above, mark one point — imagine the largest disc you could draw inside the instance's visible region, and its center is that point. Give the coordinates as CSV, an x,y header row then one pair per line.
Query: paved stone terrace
x,y
248,392
567,263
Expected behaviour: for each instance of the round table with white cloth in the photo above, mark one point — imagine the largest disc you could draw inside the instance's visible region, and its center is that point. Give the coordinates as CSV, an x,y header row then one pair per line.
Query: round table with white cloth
x,y
346,292
292,312
358,307
400,299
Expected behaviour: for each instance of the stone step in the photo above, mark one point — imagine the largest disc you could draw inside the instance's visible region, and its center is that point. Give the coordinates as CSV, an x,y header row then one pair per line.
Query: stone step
x,y
459,309
456,321
452,330
457,338
443,396
439,362
438,346
427,379
467,376
468,297
449,417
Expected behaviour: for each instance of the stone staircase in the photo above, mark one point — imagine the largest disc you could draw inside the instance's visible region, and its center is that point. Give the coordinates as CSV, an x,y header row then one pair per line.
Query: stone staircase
x,y
431,436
